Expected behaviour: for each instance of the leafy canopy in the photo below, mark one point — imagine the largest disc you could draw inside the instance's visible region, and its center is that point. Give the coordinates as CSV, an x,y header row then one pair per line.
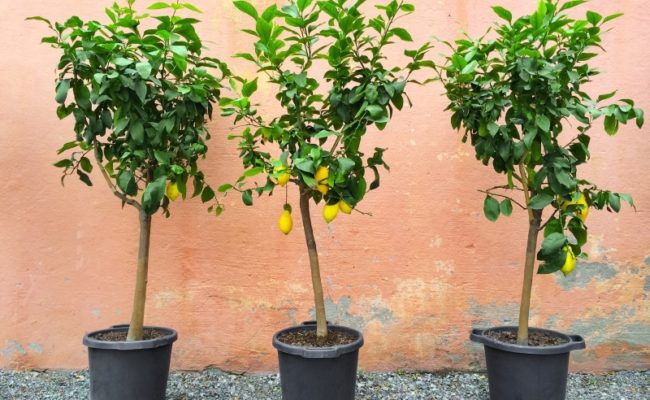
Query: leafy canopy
x,y
324,117
516,94
141,94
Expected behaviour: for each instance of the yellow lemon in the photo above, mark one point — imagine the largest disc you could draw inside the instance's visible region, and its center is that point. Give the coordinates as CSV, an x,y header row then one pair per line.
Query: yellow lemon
x,y
345,207
172,191
581,212
284,176
330,212
321,176
570,262
285,223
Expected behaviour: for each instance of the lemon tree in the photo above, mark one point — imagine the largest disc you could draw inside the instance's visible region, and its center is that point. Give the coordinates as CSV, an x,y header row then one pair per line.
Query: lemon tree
x,y
140,93
522,103
314,142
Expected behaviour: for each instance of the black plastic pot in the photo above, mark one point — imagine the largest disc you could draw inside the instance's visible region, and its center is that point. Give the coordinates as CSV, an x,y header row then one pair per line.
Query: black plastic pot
x,y
325,373
129,370
518,372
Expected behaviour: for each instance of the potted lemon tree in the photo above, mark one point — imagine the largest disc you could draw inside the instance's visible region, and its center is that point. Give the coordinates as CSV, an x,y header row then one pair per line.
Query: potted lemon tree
x,y
140,94
522,103
314,145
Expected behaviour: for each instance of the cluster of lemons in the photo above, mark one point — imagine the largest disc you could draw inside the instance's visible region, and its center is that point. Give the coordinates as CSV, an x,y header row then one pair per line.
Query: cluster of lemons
x,y
330,211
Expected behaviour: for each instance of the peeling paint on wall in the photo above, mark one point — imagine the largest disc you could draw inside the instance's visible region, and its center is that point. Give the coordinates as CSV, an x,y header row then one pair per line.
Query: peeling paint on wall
x,y
585,273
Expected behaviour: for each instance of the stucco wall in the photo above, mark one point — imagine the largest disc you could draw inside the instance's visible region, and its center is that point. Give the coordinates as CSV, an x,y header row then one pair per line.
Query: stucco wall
x,y
414,277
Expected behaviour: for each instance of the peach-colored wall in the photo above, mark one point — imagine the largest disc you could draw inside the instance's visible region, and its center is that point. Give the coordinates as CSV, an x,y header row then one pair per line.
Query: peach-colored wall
x,y
414,277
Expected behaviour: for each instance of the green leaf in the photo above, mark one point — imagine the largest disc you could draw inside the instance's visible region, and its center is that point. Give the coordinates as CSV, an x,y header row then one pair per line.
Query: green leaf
x,y
163,157
249,88
247,197
640,119
593,17
126,183
402,34
571,4
576,227
306,165
207,194
253,171
552,243
224,188
554,225
543,122
141,91
158,6
65,163
85,164
179,50
84,178
611,125
502,13
539,201
469,68
122,62
606,96
611,17
67,146
628,199
144,69
506,207
38,18
153,195
491,208
247,8
614,202
192,7
136,132
62,91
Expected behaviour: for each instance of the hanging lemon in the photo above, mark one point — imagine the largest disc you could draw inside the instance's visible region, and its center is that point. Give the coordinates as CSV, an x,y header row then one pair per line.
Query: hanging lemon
x,y
285,223
172,191
321,176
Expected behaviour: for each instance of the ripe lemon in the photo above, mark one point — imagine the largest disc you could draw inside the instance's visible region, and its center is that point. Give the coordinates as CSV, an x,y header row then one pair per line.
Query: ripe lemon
x,y
285,223
172,191
570,262
581,212
330,212
284,176
321,176
345,207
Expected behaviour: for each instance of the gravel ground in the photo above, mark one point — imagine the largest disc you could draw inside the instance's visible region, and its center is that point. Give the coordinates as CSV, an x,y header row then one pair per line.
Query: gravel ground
x,y
217,385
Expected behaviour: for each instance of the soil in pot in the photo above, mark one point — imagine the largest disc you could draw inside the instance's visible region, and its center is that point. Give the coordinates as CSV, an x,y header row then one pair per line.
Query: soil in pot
x,y
534,338
308,338
120,336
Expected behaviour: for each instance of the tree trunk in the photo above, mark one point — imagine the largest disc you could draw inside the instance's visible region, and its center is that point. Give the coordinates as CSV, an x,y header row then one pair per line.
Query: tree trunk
x,y
136,327
321,321
531,250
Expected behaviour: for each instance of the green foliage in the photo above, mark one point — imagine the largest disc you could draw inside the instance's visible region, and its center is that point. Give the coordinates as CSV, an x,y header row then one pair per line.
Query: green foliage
x,y
141,94
324,117
516,95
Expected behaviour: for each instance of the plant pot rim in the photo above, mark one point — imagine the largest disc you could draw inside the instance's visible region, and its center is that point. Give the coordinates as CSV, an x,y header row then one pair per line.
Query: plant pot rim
x,y
168,338
318,352
573,342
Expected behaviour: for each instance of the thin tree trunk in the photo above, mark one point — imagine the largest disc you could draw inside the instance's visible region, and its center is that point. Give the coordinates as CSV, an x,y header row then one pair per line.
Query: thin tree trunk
x,y
136,327
321,321
529,270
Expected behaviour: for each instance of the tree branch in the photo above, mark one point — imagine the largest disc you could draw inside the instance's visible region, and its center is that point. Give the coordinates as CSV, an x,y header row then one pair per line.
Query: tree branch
x,y
503,196
113,188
